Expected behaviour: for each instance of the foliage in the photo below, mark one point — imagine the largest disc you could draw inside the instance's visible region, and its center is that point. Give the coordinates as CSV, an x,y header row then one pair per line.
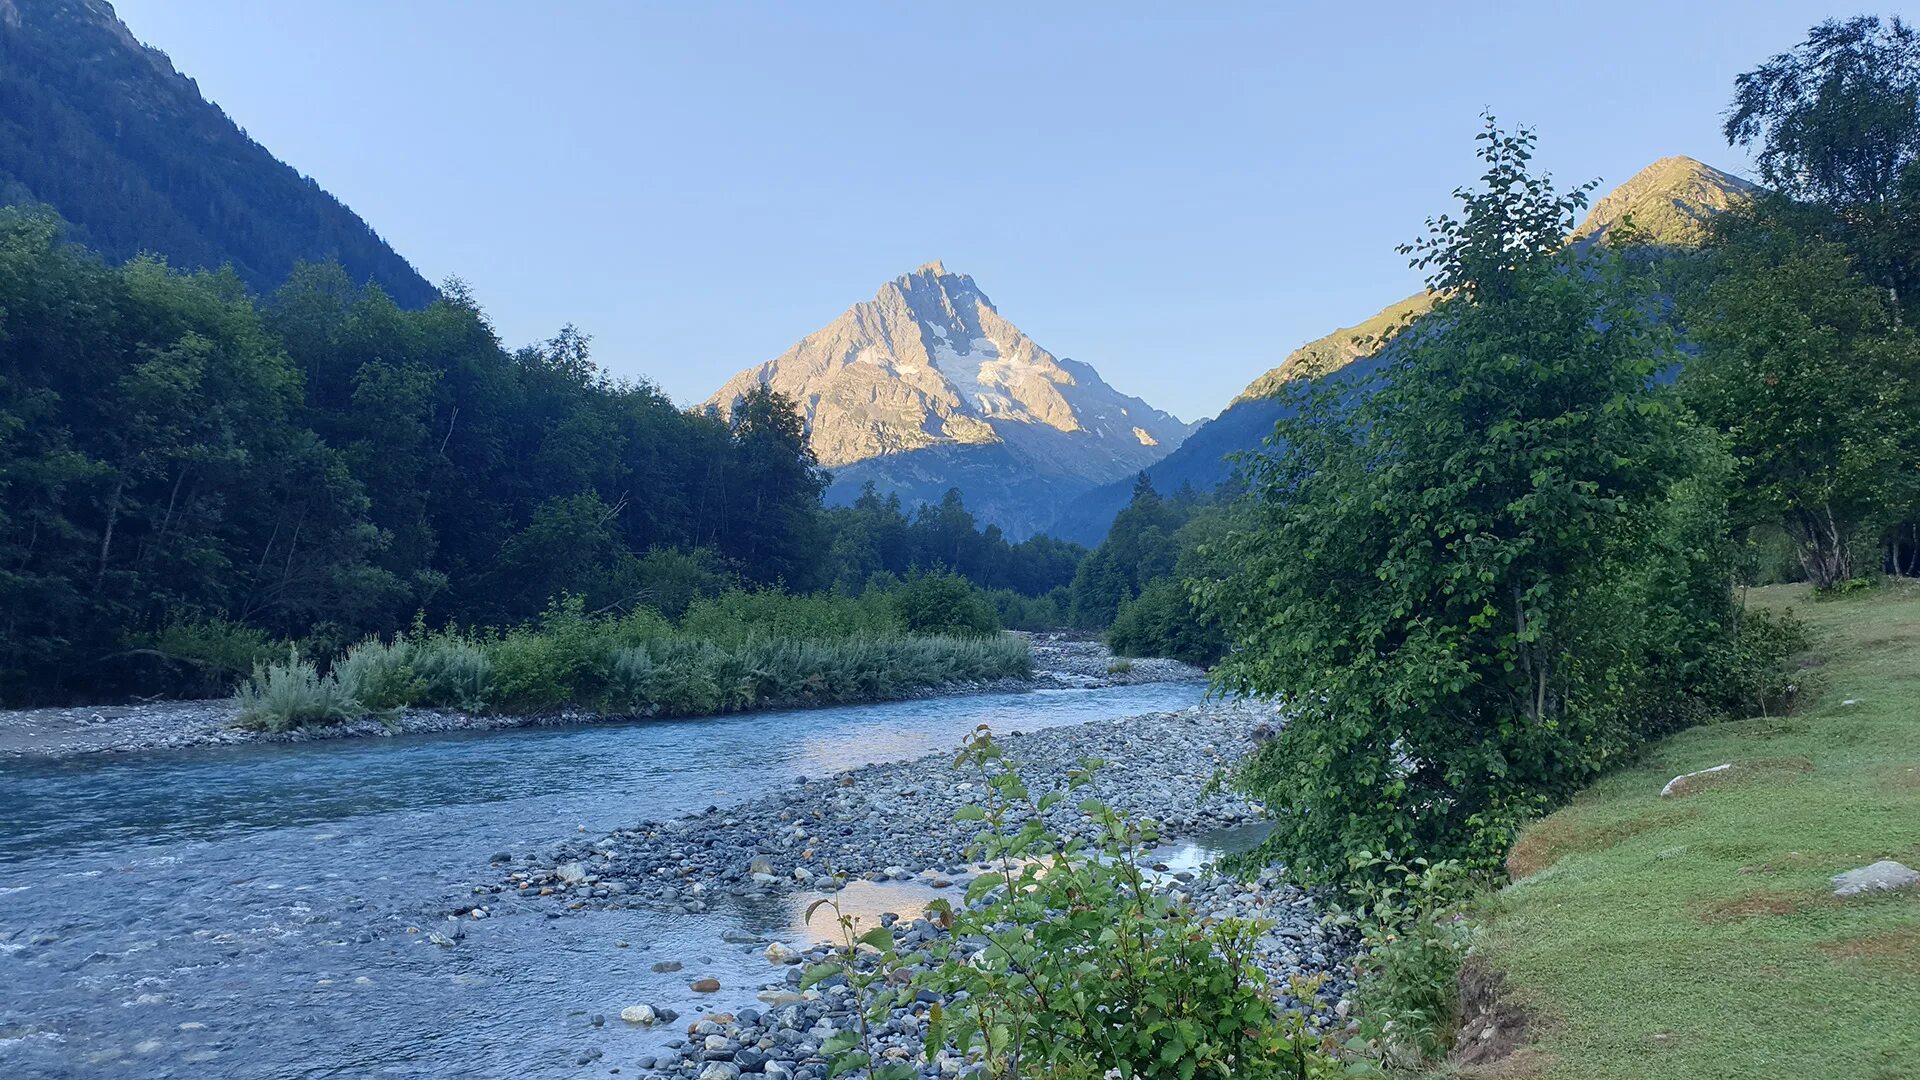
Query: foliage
x,y
740,615
282,696
1164,621
1433,580
208,656
876,536
937,603
1141,546
101,127
1838,117
1805,367
322,465
1409,917
1017,612
382,673
743,650
1088,970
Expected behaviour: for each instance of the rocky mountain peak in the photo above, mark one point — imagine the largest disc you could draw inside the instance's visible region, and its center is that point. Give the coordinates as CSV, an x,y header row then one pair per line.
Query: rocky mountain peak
x,y
930,365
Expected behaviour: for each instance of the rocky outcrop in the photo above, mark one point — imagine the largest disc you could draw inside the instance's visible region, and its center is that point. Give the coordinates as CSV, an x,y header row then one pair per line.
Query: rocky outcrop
x,y
927,385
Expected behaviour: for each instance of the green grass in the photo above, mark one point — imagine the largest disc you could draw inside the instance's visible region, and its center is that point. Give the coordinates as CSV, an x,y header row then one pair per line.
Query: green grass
x,y
1696,936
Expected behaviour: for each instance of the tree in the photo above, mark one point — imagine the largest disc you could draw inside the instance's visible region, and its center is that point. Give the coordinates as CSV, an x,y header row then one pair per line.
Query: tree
x,y
1801,364
1432,583
1837,125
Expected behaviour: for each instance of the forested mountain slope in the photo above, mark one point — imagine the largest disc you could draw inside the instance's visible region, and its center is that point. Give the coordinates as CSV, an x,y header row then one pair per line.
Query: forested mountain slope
x,y
124,148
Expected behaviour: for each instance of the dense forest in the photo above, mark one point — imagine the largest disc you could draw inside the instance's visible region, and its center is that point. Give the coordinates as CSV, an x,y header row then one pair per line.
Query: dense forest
x,y
102,128
178,456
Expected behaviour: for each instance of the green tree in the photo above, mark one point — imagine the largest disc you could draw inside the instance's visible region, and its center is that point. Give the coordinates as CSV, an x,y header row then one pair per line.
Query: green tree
x,y
1836,126
1431,577
1801,364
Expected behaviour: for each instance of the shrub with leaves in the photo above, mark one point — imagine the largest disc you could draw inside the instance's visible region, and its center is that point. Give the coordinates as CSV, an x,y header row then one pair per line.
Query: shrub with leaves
x,y
1088,969
283,696
1409,918
1431,580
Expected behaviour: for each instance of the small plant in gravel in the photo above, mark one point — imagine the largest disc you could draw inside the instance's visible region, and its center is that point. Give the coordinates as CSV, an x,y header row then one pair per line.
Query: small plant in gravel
x,y
1409,916
1066,961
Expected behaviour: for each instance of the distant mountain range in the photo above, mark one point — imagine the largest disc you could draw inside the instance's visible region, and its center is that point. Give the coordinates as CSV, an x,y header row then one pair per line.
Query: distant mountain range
x,y
928,387
925,387
124,148
1669,204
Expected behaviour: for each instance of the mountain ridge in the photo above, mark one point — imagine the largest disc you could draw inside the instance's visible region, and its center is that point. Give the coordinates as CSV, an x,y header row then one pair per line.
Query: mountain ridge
x,y
910,389
1669,201
133,159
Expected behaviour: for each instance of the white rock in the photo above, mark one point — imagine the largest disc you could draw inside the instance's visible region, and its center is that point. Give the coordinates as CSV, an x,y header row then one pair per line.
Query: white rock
x,y
1674,785
1883,875
778,953
570,873
639,1014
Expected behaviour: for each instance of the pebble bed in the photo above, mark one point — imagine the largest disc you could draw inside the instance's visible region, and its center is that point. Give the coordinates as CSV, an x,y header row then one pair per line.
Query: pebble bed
x,y
895,822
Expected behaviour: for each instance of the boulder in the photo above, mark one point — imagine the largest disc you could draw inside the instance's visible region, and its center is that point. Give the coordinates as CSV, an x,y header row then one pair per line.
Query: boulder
x,y
1882,876
639,1014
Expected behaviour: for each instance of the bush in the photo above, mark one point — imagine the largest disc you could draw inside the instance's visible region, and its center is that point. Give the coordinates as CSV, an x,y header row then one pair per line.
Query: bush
x,y
454,672
1018,612
210,655
1409,918
1089,971
381,674
1163,621
942,603
282,696
768,614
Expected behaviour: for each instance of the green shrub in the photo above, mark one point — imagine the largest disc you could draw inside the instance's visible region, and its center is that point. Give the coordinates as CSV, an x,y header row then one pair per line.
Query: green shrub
x,y
632,682
212,654
1409,918
282,696
1090,970
381,674
455,672
741,615
1163,621
1019,612
942,603
1761,678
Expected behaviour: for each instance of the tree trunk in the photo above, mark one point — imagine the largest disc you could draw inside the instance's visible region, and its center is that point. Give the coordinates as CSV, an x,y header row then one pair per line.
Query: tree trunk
x,y
106,538
1823,548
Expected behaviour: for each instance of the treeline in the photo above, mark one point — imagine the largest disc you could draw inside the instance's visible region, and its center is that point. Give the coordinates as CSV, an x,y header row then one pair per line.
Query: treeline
x,y
181,459
1791,329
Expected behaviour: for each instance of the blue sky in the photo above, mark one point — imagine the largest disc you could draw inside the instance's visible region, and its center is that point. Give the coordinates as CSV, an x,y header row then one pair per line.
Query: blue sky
x,y
1177,199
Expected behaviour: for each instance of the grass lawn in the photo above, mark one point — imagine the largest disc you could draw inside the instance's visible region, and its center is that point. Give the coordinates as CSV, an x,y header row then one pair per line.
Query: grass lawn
x,y
1696,937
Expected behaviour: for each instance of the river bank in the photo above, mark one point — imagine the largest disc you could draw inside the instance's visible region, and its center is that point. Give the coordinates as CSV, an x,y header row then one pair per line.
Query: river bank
x,y
1060,662
885,834
265,911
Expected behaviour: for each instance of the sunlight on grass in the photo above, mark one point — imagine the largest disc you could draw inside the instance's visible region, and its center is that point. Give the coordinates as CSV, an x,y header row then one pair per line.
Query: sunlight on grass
x,y
1698,936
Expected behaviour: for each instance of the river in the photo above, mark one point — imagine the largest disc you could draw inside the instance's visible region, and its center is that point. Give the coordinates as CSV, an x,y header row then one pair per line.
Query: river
x,y
245,911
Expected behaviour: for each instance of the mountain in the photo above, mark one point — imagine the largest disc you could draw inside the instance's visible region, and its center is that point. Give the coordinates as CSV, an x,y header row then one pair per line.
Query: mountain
x,y
928,387
1669,202
124,148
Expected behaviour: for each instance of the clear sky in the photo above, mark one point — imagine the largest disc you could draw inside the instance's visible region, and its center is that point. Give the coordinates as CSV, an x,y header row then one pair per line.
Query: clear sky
x,y
1177,199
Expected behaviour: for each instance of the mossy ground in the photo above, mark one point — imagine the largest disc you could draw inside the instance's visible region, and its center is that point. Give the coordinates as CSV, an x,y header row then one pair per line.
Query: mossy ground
x,y
1696,937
